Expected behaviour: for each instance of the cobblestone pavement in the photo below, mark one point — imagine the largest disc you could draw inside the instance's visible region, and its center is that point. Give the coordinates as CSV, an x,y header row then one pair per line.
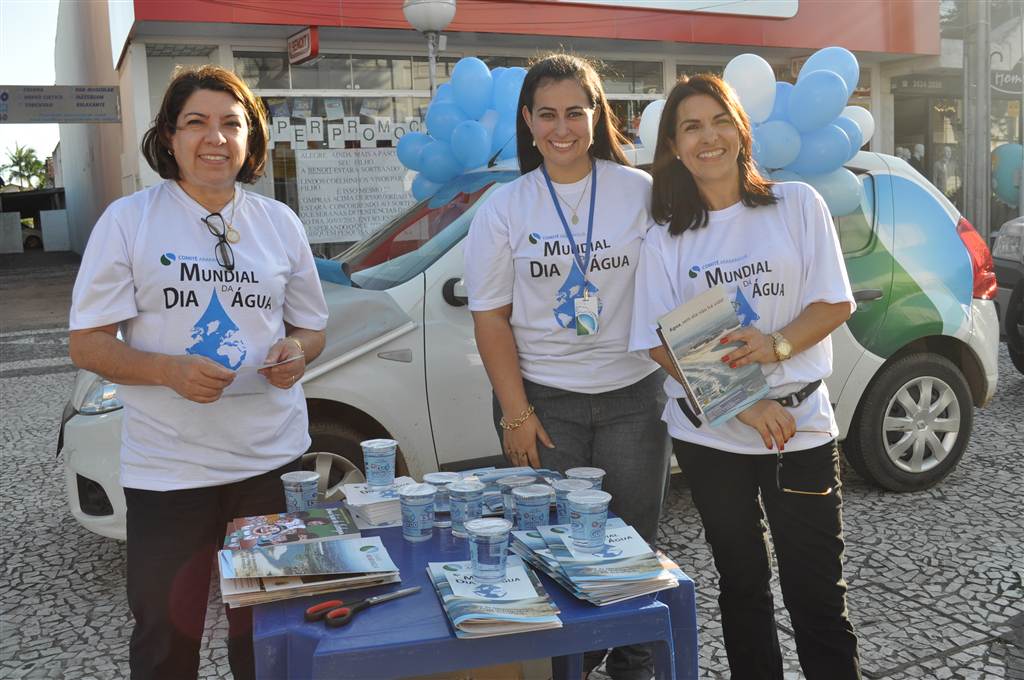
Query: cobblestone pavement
x,y
936,578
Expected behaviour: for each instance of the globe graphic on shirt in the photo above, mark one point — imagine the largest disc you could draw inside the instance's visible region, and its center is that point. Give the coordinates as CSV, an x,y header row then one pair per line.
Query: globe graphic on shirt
x,y
489,590
743,309
572,288
215,336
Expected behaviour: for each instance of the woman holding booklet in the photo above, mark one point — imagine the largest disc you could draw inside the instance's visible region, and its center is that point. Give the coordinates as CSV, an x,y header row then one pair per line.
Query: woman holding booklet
x,y
550,264
774,250
217,299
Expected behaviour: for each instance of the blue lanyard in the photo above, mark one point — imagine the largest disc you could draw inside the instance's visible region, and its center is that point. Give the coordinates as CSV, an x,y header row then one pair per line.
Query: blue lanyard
x,y
582,261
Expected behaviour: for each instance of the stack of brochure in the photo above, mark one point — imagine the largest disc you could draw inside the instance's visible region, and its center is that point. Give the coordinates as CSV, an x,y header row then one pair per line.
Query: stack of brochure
x,y
275,557
375,506
516,604
625,568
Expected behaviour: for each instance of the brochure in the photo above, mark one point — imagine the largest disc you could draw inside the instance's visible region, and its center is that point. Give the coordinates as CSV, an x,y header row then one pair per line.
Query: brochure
x,y
307,526
339,556
692,334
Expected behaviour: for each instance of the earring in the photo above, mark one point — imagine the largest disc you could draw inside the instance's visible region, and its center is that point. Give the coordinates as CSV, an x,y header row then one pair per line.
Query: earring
x,y
170,153
533,142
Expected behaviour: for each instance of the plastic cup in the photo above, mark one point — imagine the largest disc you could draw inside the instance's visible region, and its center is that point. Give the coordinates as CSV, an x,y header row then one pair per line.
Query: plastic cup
x,y
299,489
563,487
417,511
379,460
588,514
488,547
506,484
591,474
441,480
533,506
465,499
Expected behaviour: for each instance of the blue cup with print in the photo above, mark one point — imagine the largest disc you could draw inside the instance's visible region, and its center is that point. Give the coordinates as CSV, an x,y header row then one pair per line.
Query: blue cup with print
x,y
417,511
588,517
508,501
563,487
591,474
441,480
300,489
379,460
533,506
466,502
488,547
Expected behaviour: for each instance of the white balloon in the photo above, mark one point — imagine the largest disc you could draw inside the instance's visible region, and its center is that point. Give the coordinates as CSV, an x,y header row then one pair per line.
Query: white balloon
x,y
863,118
649,121
754,81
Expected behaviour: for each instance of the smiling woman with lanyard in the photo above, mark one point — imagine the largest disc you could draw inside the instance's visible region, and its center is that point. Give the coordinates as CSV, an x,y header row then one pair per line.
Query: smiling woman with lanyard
x,y
208,284
550,262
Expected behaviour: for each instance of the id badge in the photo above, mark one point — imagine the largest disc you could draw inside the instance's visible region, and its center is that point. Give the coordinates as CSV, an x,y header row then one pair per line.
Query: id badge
x,y
586,315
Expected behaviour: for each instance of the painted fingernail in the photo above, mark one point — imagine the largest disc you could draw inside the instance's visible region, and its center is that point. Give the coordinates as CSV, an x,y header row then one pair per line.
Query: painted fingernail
x,y
723,341
725,359
732,365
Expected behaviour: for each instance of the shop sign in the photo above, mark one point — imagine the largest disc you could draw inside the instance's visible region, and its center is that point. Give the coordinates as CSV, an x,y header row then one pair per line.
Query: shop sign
x,y
926,84
59,104
1007,82
304,46
777,9
336,133
344,194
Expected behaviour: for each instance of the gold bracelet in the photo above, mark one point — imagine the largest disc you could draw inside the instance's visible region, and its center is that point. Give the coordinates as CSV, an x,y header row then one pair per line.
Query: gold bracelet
x,y
516,422
297,344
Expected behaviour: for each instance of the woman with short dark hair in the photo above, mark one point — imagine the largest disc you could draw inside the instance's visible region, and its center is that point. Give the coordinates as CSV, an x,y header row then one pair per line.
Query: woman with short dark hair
x,y
775,250
207,284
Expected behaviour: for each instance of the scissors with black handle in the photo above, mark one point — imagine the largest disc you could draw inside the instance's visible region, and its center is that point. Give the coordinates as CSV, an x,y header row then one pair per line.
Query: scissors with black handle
x,y
336,613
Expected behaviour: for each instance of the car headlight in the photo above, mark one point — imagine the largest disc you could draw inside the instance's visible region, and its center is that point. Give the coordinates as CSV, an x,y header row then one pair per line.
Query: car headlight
x,y
1009,243
101,397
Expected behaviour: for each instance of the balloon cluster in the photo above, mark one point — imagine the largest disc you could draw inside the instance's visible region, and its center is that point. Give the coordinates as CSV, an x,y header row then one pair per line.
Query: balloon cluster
x,y
470,119
1006,172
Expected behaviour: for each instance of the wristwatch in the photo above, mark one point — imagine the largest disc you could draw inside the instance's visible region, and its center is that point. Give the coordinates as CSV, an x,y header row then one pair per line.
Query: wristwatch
x,y
783,350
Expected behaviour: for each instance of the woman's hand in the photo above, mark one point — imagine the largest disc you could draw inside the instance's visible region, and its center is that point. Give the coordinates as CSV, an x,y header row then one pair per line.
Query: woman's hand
x,y
757,348
285,375
771,420
197,378
520,444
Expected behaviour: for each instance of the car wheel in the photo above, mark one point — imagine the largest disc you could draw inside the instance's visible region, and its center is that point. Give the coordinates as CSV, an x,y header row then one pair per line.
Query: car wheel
x,y
1015,327
913,423
854,456
33,243
339,438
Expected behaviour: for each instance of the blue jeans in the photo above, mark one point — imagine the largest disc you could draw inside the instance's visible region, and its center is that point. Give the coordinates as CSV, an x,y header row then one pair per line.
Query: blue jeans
x,y
620,432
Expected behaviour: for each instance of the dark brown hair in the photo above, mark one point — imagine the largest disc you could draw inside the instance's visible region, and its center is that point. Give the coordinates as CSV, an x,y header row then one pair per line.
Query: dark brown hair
x,y
156,143
608,140
675,199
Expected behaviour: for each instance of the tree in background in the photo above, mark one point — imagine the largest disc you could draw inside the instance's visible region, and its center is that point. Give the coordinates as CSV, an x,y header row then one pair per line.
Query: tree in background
x,y
23,167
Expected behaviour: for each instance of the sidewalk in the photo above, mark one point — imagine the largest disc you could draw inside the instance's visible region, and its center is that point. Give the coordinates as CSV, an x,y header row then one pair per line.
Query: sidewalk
x,y
35,290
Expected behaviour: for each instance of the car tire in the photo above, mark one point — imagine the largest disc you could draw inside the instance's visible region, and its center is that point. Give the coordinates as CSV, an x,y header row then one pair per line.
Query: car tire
x,y
32,243
902,446
339,438
1014,327
854,457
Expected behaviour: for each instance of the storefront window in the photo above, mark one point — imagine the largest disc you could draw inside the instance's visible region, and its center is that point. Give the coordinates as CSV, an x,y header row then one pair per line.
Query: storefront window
x,y
330,72
421,72
263,70
632,77
372,73
694,69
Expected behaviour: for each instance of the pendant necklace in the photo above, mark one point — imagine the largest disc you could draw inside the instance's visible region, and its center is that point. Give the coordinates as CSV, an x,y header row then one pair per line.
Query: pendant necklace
x,y
575,218
231,235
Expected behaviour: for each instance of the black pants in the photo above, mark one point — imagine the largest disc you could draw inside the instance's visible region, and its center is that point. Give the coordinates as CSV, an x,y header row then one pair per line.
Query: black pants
x,y
172,539
807,532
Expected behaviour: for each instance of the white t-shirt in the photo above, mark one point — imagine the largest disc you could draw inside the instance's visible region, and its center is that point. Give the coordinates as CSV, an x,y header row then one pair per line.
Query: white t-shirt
x,y
150,266
774,260
517,252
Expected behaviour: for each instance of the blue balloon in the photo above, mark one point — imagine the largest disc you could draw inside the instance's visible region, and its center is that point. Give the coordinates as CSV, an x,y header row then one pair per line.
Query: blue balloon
x,y
471,144
816,100
423,188
442,119
841,190
506,90
821,151
410,146
438,162
1006,173
504,136
786,176
839,60
444,93
779,144
471,81
852,130
781,109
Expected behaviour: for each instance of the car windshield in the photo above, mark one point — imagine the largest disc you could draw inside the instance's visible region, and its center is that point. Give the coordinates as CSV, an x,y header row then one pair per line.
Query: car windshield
x,y
414,240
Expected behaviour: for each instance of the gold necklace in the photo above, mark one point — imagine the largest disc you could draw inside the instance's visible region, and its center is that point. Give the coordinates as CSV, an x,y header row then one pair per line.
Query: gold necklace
x,y
575,218
231,235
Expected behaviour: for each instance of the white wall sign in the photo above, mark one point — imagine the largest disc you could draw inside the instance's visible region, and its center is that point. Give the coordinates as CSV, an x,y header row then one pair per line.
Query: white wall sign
x,y
344,194
780,9
59,104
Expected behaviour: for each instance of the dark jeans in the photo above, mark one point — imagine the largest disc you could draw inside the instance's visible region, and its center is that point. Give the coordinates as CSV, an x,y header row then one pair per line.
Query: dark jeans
x,y
620,432
172,539
807,532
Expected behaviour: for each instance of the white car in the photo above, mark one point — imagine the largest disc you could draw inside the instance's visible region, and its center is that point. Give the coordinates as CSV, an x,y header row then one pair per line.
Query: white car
x,y
401,361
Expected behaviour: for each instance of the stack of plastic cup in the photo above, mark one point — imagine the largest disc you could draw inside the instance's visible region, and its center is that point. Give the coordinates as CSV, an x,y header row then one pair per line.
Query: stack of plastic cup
x,y
533,506
506,484
441,480
488,547
466,499
588,513
300,489
379,460
563,487
591,474
417,511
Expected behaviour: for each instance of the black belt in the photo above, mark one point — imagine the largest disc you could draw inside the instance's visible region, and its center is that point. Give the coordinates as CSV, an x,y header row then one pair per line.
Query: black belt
x,y
791,400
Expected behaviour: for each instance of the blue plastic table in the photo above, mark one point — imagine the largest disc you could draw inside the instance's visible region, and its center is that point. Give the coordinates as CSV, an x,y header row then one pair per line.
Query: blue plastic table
x,y
411,635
